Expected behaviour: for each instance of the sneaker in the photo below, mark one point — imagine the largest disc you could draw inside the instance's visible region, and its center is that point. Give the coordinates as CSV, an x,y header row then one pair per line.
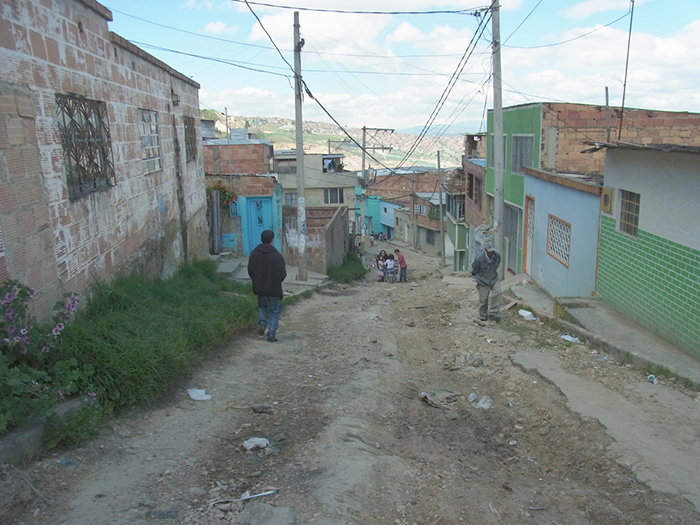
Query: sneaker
x,y
271,339
261,329
483,319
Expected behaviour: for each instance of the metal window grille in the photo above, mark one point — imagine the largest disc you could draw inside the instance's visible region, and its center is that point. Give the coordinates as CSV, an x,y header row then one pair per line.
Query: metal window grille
x,y
150,141
559,239
522,153
87,147
290,199
629,212
190,138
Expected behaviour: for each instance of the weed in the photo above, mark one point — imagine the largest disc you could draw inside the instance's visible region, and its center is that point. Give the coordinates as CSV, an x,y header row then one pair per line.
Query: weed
x,y
350,270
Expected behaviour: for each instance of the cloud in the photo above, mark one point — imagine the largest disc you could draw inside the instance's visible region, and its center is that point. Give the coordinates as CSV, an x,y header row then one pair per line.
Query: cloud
x,y
592,7
219,28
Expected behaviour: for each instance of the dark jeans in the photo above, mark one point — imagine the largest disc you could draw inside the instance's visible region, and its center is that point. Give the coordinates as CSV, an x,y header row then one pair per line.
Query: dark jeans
x,y
402,275
269,307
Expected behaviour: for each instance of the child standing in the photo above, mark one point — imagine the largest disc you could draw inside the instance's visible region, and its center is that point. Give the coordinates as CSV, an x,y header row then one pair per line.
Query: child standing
x,y
403,267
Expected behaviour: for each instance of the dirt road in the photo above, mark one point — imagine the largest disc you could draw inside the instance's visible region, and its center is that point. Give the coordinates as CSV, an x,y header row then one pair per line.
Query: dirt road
x,y
353,442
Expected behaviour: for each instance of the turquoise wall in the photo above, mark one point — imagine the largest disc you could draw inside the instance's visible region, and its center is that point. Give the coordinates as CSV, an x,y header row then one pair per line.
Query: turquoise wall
x,y
654,281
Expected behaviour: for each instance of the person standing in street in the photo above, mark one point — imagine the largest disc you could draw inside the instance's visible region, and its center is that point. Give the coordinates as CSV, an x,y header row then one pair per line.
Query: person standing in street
x,y
485,272
403,267
267,270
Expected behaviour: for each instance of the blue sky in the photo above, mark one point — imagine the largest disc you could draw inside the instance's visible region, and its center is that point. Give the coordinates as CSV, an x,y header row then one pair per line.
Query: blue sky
x,y
392,70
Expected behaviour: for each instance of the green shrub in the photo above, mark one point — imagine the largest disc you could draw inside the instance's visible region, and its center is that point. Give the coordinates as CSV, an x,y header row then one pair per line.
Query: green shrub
x,y
350,270
132,339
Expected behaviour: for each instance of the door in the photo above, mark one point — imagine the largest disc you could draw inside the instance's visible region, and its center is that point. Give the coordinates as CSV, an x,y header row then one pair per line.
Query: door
x,y
529,245
510,232
259,215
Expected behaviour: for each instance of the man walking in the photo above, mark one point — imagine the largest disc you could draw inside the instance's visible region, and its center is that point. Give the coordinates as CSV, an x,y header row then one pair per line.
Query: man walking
x,y
485,272
403,267
267,270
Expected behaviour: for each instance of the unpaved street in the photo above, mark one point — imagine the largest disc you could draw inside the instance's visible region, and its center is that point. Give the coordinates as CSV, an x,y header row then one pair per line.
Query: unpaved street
x,y
352,441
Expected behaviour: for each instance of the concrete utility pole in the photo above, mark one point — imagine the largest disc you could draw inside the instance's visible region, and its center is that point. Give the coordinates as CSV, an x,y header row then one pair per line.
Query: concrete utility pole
x,y
498,146
442,229
363,196
415,219
301,188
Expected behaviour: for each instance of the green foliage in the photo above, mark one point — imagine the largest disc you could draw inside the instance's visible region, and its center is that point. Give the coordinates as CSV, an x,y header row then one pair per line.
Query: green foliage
x,y
32,376
293,299
210,114
226,196
350,270
132,339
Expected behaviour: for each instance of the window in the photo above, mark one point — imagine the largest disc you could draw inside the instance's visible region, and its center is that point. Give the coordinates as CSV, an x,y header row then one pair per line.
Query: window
x,y
290,199
629,212
491,149
419,210
522,153
455,206
559,239
190,138
87,146
333,196
430,237
478,191
150,141
386,210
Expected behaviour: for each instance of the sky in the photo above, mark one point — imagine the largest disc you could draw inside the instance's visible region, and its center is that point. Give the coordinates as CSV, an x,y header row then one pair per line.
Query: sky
x,y
406,71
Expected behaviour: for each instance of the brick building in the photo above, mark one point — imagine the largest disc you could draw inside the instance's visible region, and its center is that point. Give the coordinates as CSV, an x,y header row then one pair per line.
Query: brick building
x,y
237,156
100,158
554,137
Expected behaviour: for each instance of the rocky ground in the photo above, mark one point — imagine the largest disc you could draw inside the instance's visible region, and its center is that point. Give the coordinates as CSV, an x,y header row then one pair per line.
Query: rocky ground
x,y
382,404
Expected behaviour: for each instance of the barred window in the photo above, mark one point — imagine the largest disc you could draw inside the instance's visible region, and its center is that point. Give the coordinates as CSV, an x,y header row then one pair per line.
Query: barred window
x,y
430,237
629,212
290,199
333,196
150,141
559,239
87,147
190,138
522,153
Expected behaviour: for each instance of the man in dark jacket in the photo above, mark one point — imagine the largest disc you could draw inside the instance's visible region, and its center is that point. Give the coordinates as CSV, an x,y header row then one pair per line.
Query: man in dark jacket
x,y
485,272
267,270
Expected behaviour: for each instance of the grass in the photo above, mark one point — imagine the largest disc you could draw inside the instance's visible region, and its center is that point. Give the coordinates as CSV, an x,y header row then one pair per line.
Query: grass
x,y
141,335
351,269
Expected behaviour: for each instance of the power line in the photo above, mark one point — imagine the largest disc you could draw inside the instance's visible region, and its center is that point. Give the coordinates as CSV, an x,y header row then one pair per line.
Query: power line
x,y
627,63
347,12
270,36
229,62
571,39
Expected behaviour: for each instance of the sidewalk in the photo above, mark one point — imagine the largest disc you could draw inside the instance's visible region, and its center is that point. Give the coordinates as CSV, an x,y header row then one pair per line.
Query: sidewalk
x,y
236,268
598,322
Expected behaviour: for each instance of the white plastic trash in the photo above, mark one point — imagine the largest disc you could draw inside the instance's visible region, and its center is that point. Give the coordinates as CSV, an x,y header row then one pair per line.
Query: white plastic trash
x,y
198,395
528,316
567,337
253,443
485,402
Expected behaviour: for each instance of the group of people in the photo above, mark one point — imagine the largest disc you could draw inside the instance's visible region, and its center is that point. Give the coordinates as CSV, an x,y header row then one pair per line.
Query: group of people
x,y
387,265
267,270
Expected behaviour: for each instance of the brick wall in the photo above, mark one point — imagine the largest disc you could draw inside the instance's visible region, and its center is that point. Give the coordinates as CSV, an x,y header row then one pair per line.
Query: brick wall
x,y
236,158
154,222
654,281
328,238
572,125
245,185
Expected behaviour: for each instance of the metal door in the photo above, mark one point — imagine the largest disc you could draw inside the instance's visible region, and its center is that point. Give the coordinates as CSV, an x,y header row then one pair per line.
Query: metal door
x,y
259,219
510,232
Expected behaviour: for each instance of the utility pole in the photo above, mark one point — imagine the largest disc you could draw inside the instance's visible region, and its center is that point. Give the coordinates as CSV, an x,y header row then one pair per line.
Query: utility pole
x,y
415,219
498,146
301,188
607,115
363,196
442,229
